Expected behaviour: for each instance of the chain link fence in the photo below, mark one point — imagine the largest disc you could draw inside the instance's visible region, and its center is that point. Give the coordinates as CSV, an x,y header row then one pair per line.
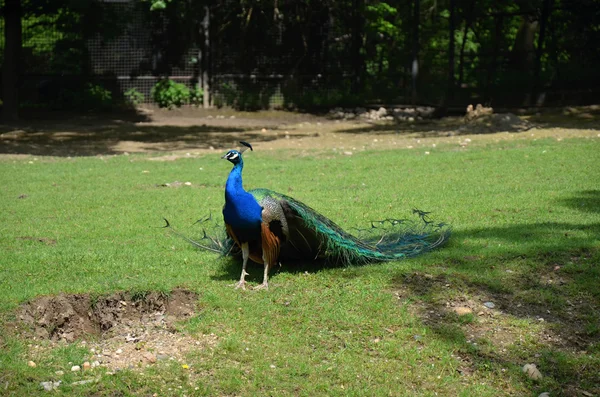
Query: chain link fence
x,y
262,58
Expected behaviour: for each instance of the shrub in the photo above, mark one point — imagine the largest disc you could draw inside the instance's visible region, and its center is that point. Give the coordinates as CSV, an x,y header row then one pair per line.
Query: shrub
x,y
134,97
196,96
93,96
169,94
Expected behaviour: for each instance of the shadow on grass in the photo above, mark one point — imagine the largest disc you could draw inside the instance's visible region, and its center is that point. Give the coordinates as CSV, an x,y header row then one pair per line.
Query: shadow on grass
x,y
568,117
65,134
423,129
118,139
585,201
546,303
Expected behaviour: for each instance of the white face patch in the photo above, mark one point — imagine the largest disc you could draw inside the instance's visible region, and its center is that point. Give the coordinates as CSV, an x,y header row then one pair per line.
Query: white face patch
x,y
232,156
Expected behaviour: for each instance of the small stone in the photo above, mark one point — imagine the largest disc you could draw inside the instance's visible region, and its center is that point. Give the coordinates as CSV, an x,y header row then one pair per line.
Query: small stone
x,y
544,394
532,372
263,130
95,364
151,358
49,386
59,373
188,184
87,365
272,366
489,305
83,382
75,368
31,364
162,357
462,310
119,351
347,153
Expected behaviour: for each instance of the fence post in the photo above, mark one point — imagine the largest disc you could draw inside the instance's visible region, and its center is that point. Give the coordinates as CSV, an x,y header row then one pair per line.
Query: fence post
x,y
206,59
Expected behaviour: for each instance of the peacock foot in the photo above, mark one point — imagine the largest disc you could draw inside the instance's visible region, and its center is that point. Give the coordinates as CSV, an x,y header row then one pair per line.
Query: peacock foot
x,y
264,286
240,284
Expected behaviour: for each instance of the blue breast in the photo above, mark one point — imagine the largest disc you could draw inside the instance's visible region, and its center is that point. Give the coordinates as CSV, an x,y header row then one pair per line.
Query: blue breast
x,y
241,211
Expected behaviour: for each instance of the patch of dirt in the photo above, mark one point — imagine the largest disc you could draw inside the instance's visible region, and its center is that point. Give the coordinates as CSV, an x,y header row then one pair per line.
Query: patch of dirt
x,y
193,132
488,319
69,317
121,330
45,240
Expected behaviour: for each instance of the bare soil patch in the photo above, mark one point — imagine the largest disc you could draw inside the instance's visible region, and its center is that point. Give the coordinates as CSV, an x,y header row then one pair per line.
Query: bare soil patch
x,y
198,131
121,330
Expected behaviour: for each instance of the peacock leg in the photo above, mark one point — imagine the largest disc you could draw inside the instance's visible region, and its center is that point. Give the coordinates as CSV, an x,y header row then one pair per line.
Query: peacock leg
x,y
265,283
245,254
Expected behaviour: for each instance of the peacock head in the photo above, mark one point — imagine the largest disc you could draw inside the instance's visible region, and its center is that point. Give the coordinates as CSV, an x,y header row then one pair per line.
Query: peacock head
x,y
235,156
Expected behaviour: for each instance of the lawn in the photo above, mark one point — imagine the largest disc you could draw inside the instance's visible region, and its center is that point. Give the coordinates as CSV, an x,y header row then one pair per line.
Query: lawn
x,y
526,243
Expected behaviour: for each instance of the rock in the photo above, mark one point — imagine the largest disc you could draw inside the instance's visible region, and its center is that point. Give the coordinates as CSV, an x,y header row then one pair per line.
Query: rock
x,y
462,310
151,358
59,373
86,366
532,372
544,394
95,364
119,351
31,364
75,368
49,386
489,305
161,357
83,382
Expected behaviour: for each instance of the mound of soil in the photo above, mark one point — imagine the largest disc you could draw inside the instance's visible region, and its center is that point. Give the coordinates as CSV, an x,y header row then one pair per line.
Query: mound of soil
x,y
70,317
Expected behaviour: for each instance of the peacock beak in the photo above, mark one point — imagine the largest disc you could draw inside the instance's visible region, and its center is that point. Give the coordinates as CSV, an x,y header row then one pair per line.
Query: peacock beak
x,y
224,156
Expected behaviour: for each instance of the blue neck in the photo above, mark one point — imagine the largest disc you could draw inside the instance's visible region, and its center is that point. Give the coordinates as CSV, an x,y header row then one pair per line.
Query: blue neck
x,y
241,210
234,184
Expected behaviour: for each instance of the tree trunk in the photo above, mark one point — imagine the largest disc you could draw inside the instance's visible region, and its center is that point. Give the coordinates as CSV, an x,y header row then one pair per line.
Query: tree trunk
x,y
522,57
12,54
492,65
357,44
546,6
451,44
461,61
206,59
415,51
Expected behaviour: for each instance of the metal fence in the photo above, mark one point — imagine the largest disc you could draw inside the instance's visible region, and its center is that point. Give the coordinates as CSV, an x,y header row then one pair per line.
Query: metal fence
x,y
129,48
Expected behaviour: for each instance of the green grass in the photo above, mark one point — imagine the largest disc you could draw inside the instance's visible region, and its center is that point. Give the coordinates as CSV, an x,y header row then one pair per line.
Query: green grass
x,y
518,210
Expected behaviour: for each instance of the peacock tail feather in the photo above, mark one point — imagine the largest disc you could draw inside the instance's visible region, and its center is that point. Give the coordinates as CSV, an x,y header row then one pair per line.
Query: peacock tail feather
x,y
314,236
384,240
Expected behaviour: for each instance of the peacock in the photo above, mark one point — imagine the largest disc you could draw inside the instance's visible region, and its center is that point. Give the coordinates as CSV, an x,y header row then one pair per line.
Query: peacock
x,y
269,227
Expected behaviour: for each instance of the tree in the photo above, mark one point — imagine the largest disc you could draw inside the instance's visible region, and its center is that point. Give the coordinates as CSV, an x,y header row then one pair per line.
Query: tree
x,y
12,54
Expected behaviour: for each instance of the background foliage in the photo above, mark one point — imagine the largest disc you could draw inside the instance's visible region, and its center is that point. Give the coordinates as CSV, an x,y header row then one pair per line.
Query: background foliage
x,y
303,53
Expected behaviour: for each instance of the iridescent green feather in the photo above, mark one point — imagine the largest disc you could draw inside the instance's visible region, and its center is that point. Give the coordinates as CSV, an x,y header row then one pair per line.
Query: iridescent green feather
x,y
315,236
385,240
